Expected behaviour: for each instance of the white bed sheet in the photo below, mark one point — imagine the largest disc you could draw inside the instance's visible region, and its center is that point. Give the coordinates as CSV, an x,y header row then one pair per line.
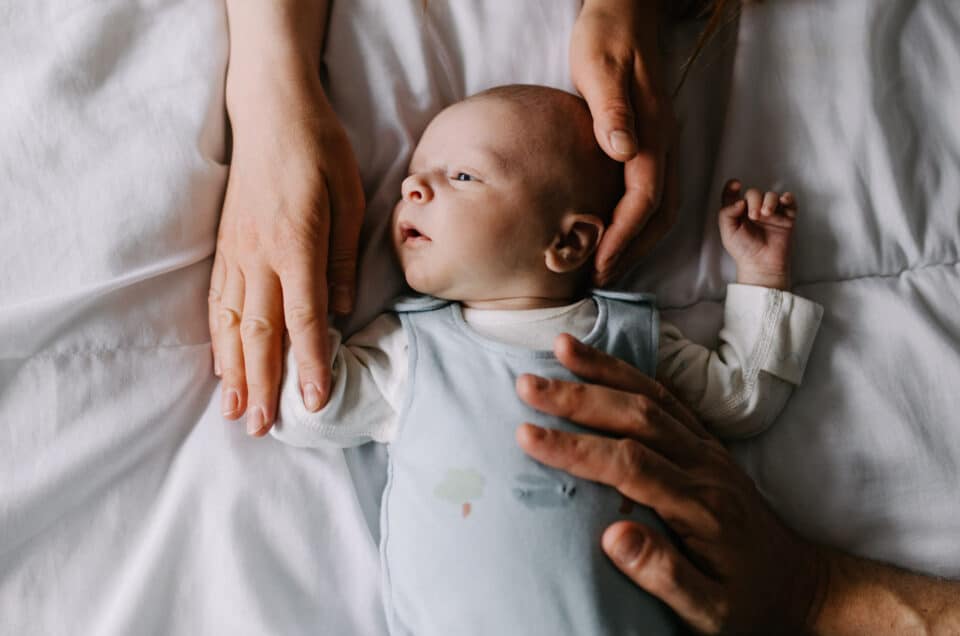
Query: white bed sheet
x,y
128,506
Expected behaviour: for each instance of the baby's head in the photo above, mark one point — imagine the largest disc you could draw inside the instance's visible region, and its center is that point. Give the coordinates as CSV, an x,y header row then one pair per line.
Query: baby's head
x,y
507,197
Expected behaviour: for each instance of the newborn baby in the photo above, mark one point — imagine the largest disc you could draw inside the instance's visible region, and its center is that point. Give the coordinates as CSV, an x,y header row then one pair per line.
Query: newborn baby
x,y
507,198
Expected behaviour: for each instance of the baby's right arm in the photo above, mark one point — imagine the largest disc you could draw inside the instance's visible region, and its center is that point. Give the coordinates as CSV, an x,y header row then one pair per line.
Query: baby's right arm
x,y
368,373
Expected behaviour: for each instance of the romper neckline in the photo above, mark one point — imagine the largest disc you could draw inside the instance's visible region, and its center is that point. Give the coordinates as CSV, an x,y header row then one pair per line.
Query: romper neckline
x,y
592,337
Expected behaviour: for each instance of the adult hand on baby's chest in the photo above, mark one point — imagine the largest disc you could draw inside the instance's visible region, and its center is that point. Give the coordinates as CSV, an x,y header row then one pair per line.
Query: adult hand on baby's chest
x,y
742,570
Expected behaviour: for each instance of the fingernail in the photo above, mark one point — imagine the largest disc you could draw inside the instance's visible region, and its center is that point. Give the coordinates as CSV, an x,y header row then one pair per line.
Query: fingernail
x,y
627,548
342,300
311,397
256,420
623,142
216,368
230,402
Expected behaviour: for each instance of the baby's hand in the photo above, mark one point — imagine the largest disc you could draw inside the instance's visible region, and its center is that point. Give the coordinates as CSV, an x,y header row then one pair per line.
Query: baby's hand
x,y
755,229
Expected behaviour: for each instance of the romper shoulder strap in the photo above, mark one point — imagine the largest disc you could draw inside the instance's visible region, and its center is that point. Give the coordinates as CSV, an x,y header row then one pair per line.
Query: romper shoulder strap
x,y
633,327
413,303
626,296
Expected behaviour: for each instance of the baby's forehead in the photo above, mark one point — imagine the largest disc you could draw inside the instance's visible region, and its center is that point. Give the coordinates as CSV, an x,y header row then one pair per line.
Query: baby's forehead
x,y
497,130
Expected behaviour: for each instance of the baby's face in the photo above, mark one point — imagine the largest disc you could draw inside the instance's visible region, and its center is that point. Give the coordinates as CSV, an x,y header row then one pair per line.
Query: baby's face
x,y
473,222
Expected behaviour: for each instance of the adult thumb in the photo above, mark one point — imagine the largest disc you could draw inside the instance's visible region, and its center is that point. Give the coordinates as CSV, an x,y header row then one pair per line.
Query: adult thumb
x,y
655,565
606,88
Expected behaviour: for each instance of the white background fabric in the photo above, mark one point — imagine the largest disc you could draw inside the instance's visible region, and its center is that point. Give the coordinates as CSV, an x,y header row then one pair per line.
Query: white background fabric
x,y
128,506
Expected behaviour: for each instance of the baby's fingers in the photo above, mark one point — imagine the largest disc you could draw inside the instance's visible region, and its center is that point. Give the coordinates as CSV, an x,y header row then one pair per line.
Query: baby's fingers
x,y
783,214
788,205
768,206
731,193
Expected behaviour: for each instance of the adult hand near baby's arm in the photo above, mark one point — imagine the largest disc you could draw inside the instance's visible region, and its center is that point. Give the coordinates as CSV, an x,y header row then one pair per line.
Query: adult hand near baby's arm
x,y
617,68
292,213
742,571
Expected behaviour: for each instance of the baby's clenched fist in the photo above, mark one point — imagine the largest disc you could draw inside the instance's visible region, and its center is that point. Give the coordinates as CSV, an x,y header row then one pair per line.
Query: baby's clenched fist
x,y
755,229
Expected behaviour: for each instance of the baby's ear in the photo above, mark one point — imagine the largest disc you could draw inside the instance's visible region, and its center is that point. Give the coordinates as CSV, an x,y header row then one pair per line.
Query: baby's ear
x,y
574,243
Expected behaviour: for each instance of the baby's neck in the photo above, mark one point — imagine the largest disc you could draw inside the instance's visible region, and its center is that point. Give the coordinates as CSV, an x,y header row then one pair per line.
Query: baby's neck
x,y
519,302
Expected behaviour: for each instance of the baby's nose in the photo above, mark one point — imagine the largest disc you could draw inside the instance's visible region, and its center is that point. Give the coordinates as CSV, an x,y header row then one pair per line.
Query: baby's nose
x,y
415,189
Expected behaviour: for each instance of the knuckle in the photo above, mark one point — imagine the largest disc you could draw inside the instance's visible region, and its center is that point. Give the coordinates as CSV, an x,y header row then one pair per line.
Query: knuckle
x,y
257,328
310,370
669,574
227,318
579,451
569,397
642,407
301,317
617,109
613,60
341,263
234,378
630,458
720,509
717,617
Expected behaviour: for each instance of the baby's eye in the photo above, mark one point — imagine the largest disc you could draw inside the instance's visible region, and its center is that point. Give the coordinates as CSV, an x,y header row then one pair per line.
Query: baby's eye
x,y
463,176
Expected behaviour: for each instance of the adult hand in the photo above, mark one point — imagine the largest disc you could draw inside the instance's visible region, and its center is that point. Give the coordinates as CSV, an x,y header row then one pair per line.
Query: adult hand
x,y
739,570
617,68
288,232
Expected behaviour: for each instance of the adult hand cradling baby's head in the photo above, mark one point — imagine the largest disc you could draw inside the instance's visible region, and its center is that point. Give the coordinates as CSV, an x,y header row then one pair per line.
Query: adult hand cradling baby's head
x,y
507,197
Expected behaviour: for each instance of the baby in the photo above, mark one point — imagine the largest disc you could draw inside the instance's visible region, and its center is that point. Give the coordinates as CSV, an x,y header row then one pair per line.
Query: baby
x,y
507,198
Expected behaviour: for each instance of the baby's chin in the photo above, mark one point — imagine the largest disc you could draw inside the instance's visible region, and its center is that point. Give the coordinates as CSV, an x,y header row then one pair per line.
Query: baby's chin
x,y
423,282
434,284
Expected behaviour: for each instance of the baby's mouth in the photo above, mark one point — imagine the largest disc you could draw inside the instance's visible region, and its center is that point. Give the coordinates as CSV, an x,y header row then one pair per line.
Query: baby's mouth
x,y
410,234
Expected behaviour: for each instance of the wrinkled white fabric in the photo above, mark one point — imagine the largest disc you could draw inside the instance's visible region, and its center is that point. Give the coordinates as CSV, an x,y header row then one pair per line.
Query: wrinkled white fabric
x,y
128,506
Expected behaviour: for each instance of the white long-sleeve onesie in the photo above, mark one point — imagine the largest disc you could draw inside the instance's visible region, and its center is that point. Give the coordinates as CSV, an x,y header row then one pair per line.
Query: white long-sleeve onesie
x,y
738,389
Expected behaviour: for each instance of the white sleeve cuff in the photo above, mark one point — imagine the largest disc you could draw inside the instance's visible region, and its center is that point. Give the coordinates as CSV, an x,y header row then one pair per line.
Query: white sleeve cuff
x,y
786,325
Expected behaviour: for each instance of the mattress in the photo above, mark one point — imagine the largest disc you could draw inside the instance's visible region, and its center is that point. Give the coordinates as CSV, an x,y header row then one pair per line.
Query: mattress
x,y
128,505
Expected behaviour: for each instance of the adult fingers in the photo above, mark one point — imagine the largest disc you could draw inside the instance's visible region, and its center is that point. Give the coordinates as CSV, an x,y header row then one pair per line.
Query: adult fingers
x,y
218,276
636,227
655,565
305,314
599,367
610,410
346,219
635,470
261,332
233,389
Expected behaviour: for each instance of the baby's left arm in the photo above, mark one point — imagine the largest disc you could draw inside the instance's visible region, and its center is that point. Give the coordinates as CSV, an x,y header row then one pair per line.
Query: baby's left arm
x,y
768,332
740,387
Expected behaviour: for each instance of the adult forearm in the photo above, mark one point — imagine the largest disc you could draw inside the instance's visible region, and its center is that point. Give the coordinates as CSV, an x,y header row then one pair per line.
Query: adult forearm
x,y
865,597
275,49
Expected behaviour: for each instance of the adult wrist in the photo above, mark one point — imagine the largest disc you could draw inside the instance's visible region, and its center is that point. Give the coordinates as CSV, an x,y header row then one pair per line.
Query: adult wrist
x,y
275,49
279,84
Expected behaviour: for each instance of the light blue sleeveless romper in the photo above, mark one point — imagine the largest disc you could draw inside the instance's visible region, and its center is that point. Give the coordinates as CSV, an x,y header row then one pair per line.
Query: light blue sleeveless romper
x,y
477,538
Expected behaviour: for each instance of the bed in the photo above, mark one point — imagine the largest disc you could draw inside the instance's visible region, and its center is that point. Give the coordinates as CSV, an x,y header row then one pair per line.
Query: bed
x,y
127,505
